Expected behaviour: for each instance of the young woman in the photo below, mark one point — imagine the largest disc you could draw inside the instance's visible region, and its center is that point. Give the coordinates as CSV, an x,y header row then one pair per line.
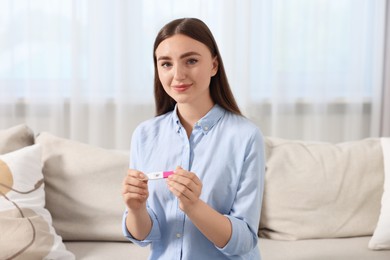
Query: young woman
x,y
209,208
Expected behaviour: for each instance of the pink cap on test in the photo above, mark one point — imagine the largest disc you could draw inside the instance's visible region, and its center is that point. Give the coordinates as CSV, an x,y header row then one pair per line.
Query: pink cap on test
x,y
166,174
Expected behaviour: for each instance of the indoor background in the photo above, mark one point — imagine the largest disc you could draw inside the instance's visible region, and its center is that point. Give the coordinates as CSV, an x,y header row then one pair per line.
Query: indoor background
x,y
300,69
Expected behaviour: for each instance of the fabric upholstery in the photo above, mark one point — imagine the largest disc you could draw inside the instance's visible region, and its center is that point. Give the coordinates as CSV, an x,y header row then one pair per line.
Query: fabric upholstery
x,y
321,190
25,225
15,137
381,237
83,187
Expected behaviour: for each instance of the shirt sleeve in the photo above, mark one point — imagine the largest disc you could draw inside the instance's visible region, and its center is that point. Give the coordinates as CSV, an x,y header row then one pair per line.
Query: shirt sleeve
x,y
245,213
154,233
136,163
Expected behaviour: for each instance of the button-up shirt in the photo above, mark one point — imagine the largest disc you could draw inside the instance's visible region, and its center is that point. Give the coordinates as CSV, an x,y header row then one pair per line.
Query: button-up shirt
x,y
226,152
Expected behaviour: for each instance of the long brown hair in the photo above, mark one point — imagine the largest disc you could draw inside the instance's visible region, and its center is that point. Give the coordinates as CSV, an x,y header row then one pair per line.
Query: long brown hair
x,y
220,90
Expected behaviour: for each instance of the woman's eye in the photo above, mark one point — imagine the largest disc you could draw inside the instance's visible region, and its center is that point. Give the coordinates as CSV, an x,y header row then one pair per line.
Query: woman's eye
x,y
166,64
192,61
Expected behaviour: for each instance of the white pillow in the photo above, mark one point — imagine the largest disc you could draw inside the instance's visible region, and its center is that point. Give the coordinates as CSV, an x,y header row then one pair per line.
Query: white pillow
x,y
25,225
381,238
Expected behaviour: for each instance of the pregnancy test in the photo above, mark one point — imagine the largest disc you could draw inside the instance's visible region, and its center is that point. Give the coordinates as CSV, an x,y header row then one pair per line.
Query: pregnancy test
x,y
158,175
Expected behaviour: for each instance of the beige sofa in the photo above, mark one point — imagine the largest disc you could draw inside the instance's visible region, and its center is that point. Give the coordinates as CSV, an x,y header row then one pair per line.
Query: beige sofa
x,y
321,200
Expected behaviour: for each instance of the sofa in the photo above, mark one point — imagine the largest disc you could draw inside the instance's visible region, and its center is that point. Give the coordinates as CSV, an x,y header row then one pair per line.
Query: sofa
x,y
61,199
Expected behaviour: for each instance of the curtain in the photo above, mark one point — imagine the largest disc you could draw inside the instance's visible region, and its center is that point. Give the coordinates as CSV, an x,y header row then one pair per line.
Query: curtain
x,y
385,113
301,69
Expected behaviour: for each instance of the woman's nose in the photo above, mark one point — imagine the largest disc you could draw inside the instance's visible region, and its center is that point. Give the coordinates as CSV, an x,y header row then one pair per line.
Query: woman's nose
x,y
179,73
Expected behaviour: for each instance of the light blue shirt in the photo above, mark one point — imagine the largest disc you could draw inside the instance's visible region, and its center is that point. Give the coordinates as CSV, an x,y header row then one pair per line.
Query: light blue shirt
x,y
226,152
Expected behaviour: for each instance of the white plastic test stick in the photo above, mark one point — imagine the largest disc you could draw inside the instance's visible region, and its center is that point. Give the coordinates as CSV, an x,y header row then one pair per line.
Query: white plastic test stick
x,y
158,175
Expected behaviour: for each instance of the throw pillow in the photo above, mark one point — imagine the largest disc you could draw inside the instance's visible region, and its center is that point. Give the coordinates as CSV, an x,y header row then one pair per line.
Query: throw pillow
x,y
25,225
381,237
86,181
14,138
321,190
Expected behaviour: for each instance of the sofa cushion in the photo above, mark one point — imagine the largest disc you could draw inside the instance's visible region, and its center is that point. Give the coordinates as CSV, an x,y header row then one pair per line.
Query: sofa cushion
x,y
26,230
314,249
321,190
381,238
354,248
103,250
83,188
14,138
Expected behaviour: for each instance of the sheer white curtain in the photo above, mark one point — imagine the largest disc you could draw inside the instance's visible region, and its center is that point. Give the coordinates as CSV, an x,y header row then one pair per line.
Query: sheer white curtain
x,y
302,69
385,113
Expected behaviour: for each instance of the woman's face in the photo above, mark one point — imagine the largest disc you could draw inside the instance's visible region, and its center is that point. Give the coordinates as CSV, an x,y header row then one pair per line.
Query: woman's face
x,y
185,67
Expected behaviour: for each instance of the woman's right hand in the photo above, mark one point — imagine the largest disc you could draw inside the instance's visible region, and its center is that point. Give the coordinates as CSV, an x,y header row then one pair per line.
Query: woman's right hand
x,y
135,190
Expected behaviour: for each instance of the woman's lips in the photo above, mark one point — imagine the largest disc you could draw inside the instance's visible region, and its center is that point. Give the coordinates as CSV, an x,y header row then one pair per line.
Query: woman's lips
x,y
181,87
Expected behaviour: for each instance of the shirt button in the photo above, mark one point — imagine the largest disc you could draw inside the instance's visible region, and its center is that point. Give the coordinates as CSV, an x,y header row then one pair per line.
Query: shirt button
x,y
178,235
206,128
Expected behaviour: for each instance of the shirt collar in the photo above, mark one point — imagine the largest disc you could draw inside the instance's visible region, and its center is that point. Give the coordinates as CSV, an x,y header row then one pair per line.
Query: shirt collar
x,y
206,123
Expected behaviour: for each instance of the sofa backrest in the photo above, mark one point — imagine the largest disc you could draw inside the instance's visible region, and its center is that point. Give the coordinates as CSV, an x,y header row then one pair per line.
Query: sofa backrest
x,y
321,190
312,189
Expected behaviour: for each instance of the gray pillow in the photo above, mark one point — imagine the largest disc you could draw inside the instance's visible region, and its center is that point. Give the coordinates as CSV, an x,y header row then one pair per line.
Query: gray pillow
x,y
14,138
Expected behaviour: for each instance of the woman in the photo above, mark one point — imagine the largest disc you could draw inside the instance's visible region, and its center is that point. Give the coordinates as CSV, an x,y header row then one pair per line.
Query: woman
x,y
210,207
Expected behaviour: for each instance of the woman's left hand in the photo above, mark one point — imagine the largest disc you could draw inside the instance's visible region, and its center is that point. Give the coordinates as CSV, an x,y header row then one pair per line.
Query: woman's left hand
x,y
186,186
